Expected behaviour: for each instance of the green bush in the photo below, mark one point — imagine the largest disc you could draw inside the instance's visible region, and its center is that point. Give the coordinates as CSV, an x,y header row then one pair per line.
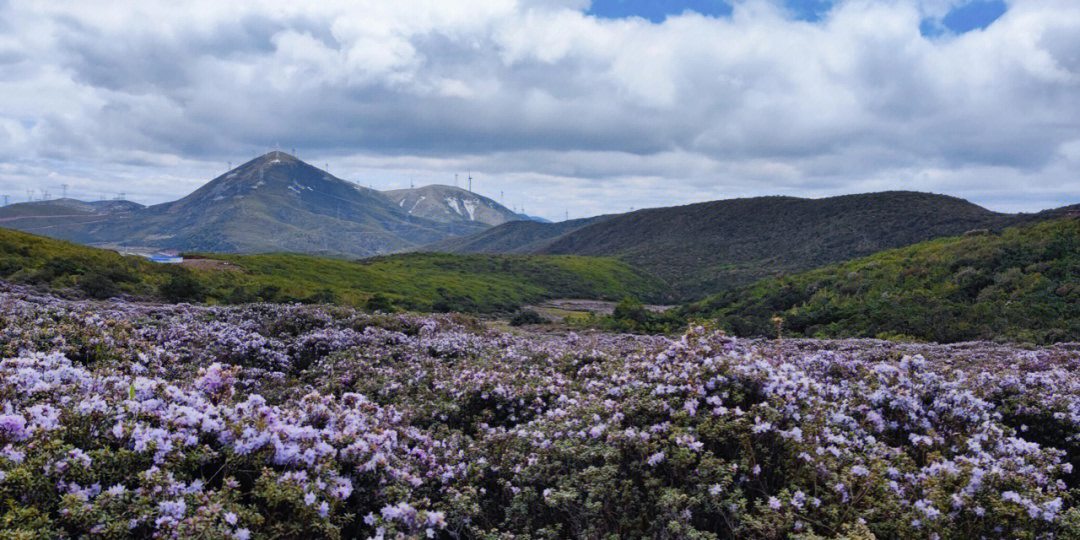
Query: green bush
x,y
97,285
182,287
379,302
527,316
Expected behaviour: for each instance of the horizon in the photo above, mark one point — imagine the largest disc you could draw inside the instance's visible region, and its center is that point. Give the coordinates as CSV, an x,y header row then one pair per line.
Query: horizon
x,y
522,212
600,106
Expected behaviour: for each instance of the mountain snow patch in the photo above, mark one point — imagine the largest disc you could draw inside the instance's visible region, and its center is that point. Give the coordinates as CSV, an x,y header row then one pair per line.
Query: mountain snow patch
x,y
454,204
418,201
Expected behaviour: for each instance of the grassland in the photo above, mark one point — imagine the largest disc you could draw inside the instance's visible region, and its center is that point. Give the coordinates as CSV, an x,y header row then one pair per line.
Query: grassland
x,y
424,282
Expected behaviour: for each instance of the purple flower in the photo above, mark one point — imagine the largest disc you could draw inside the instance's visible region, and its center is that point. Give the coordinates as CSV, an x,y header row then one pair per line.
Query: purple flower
x,y
13,426
656,459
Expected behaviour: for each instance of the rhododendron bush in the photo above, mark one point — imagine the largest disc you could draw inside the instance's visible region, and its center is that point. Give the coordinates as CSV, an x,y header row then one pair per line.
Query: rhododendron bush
x,y
135,420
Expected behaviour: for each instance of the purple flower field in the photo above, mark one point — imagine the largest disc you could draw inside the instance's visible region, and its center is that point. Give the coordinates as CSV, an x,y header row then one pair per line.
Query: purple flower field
x,y
131,420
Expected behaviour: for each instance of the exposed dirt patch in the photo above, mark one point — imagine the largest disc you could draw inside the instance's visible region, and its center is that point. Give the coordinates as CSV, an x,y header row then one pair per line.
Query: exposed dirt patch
x,y
211,264
567,308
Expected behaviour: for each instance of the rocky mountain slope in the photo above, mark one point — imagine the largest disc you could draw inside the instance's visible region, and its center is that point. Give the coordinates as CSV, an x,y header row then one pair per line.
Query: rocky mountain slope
x,y
274,203
447,204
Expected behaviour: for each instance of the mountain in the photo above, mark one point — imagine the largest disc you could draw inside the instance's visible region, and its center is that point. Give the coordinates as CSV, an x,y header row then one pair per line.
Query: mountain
x,y
704,248
447,204
274,203
1022,284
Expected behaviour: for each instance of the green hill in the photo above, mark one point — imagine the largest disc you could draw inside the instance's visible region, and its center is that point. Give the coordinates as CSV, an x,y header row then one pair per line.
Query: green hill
x,y
440,282
705,248
1022,284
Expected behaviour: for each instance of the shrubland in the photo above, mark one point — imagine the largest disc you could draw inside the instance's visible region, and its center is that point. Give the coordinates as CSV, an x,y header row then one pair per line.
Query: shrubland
x,y
136,420
1022,284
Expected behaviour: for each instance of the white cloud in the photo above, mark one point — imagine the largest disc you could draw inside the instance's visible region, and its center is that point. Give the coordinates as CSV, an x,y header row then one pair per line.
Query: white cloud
x,y
558,108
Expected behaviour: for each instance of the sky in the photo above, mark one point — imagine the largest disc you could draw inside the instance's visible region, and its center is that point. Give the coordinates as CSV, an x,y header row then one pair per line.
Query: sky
x,y
556,107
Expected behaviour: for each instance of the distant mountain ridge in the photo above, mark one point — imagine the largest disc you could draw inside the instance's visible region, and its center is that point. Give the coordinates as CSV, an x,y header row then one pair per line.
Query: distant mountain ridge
x,y
274,203
708,247
56,215
65,207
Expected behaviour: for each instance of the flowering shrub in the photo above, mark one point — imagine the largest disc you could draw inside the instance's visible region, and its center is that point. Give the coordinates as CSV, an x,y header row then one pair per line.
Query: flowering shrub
x,y
138,420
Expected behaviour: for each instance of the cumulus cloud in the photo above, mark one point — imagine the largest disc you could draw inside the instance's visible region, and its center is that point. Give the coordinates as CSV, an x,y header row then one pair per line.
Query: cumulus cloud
x,y
553,107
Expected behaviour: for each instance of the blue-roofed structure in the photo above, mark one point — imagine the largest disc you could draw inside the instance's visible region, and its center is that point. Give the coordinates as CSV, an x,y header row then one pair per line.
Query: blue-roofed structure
x,y
165,259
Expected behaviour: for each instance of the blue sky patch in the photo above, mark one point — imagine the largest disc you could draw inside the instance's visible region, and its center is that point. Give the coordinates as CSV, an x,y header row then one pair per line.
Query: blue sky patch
x,y
808,10
657,11
974,15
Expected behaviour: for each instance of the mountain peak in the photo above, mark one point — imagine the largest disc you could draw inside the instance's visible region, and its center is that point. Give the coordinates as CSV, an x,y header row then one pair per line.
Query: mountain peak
x,y
274,158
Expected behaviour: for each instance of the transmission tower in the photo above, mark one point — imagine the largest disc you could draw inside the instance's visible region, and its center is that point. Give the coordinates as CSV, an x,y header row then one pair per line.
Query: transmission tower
x,y
121,196
6,200
64,188
45,195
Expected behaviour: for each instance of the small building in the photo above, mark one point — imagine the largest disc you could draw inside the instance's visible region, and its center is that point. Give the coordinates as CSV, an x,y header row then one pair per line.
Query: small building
x,y
164,258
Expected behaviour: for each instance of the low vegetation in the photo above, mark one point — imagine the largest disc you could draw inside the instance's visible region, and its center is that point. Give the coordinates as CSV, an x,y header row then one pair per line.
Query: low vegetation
x,y
1022,284
424,282
125,420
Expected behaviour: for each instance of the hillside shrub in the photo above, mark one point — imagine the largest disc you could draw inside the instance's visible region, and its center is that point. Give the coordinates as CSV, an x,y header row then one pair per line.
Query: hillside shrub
x,y
526,317
98,285
182,287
